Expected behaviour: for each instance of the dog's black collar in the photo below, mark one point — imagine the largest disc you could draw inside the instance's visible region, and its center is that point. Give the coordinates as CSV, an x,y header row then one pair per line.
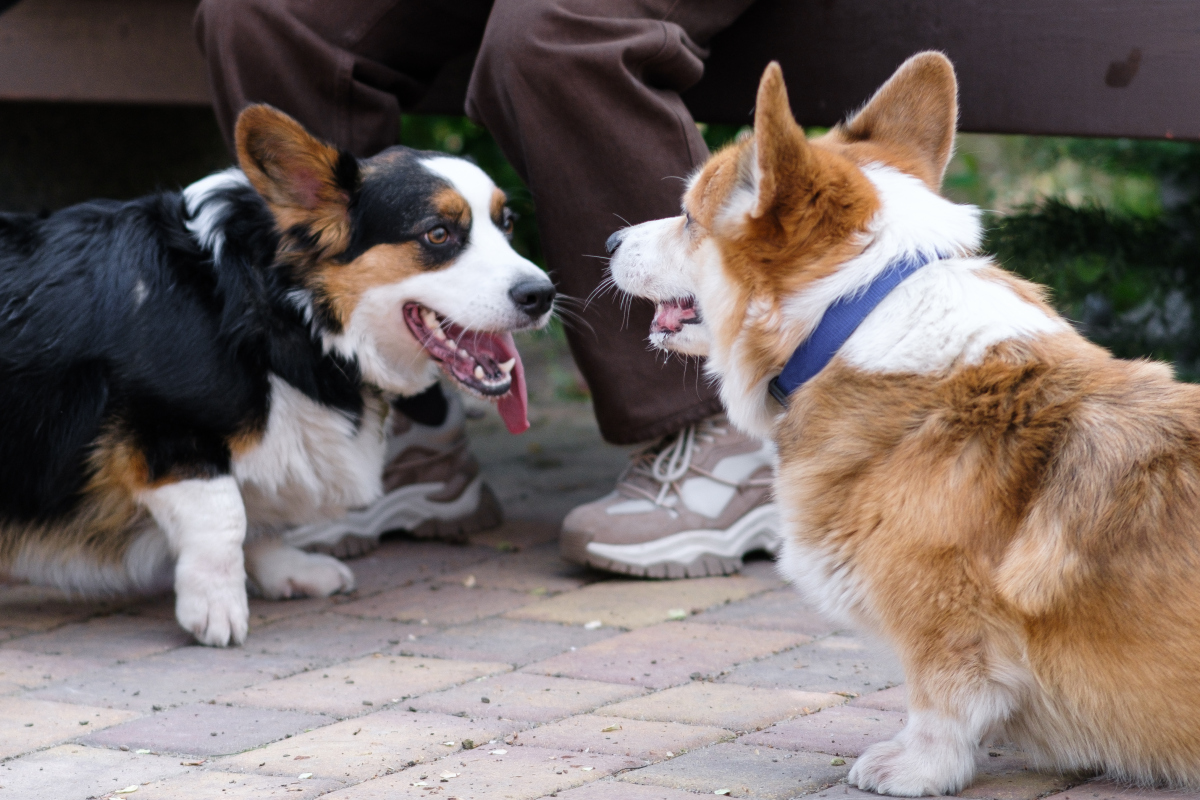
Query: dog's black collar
x,y
840,321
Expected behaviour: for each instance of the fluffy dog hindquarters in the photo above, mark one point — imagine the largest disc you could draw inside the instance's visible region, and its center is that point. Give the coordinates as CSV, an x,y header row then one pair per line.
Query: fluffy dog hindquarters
x,y
1013,509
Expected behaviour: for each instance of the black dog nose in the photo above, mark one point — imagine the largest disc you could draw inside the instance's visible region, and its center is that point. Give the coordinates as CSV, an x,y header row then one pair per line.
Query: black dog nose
x,y
533,297
614,241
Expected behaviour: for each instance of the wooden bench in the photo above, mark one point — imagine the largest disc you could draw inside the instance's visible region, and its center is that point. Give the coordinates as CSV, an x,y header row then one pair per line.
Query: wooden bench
x,y
1068,67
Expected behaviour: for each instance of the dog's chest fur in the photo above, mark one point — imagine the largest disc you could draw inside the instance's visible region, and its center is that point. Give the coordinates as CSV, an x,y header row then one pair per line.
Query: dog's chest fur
x,y
313,462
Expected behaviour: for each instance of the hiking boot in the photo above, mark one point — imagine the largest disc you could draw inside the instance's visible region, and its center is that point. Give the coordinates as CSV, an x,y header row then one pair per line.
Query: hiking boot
x,y
688,506
432,490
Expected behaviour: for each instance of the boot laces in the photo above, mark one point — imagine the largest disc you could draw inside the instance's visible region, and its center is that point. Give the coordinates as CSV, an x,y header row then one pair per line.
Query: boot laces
x,y
669,460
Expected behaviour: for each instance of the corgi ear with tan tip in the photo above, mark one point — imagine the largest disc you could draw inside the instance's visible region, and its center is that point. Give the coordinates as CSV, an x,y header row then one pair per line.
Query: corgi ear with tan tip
x,y
781,150
306,183
914,113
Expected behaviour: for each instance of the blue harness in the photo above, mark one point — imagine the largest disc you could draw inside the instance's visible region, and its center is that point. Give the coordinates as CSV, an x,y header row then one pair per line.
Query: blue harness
x,y
840,321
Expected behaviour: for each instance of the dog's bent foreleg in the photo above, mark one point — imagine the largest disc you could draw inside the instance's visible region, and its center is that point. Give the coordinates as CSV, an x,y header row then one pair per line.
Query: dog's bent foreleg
x,y
953,707
205,525
280,571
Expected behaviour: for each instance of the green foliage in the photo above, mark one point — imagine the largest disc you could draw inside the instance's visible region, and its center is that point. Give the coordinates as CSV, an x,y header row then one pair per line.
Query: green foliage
x,y
1125,268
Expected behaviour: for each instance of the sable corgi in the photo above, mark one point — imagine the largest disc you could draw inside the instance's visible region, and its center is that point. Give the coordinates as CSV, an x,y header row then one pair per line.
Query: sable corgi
x,y
185,375
1013,509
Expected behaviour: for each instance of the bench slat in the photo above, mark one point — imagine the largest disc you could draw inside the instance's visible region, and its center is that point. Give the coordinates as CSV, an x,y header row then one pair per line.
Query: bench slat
x,y
1068,67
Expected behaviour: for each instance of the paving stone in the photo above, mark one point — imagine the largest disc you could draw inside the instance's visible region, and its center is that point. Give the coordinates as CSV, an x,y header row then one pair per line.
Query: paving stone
x,y
843,792
667,654
402,561
1100,789
20,670
761,566
840,663
189,730
326,637
780,610
725,705
26,609
842,731
1009,776
514,641
354,687
515,535
207,785
438,603
521,773
370,746
538,570
27,725
263,612
75,772
636,604
117,637
528,698
178,677
744,771
610,788
893,699
643,740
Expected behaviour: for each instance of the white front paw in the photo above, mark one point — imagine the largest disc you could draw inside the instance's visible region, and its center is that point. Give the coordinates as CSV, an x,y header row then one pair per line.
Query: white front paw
x,y
211,604
282,572
895,768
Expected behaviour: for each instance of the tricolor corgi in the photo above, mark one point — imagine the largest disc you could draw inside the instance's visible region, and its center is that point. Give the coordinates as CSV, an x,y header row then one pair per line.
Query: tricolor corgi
x,y
1010,507
184,376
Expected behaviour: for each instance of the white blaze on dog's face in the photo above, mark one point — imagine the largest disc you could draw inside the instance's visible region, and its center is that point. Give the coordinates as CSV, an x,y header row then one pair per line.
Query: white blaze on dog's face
x,y
659,260
773,219
403,260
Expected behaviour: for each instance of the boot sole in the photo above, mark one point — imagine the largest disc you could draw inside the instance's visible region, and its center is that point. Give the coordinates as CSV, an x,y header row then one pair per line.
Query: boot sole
x,y
692,554
405,509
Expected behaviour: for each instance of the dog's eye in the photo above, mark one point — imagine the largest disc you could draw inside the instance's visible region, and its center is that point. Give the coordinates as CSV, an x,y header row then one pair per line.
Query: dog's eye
x,y
508,221
438,235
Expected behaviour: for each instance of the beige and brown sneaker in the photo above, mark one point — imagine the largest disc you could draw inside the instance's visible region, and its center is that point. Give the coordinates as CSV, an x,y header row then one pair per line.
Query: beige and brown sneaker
x,y
432,489
689,506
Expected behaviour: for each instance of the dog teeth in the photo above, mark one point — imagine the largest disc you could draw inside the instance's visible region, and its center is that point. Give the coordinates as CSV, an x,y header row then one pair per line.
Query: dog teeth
x,y
430,319
478,372
449,342
507,366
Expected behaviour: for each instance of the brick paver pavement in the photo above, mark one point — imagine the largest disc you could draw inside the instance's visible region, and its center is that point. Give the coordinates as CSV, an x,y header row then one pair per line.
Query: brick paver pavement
x,y
490,670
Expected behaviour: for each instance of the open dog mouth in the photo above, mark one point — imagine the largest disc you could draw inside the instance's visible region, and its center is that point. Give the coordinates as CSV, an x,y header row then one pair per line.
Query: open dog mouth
x,y
487,364
671,315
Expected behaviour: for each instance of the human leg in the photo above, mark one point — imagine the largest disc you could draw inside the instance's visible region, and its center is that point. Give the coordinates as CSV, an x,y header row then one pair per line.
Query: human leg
x,y
583,98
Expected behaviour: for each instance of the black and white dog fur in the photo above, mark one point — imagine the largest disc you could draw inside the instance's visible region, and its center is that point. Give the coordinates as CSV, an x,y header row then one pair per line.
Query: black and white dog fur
x,y
185,375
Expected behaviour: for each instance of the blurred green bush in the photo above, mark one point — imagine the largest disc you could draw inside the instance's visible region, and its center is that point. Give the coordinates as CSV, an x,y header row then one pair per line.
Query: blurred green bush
x,y
1112,232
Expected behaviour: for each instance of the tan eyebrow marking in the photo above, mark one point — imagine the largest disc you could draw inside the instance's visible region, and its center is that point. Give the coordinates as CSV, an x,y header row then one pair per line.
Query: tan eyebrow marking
x,y
499,201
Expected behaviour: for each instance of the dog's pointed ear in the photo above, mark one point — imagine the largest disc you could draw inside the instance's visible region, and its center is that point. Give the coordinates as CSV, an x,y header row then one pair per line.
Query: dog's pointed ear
x,y
781,150
915,113
306,183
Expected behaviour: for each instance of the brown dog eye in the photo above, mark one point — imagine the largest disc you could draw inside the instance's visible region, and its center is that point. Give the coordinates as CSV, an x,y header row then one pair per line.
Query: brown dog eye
x,y
438,235
507,223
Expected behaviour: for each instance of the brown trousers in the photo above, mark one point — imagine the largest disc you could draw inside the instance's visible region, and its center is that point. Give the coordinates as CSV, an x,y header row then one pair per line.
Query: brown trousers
x,y
582,97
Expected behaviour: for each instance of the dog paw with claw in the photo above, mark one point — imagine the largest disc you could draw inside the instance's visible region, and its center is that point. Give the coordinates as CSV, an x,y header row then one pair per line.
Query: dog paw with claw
x,y
900,769
280,572
213,608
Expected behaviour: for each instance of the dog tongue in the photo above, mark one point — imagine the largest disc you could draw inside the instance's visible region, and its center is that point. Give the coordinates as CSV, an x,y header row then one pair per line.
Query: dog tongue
x,y
514,406
670,316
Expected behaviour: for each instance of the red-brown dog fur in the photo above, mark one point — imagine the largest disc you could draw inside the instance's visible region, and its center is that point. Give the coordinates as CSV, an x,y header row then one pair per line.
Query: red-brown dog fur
x,y
1023,526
